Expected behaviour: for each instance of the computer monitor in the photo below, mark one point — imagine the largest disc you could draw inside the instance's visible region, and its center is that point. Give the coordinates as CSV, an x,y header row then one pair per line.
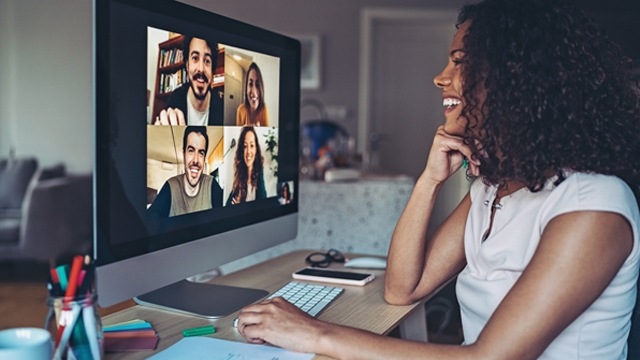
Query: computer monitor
x,y
197,136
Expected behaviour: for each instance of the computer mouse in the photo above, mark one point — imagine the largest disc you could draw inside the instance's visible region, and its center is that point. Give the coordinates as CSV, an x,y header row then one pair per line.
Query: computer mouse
x,y
367,262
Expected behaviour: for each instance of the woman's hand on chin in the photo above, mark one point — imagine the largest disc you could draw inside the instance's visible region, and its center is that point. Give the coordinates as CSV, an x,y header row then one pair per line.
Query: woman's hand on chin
x,y
448,153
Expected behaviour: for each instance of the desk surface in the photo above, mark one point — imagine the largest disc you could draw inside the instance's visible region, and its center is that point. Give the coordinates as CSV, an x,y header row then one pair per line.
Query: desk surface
x,y
359,306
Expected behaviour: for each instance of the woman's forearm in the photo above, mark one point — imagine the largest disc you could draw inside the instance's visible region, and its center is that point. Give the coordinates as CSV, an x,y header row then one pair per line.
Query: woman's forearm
x,y
348,343
408,247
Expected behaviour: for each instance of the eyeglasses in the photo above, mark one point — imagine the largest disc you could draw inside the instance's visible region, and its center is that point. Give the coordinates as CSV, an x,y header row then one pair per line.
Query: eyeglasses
x,y
319,259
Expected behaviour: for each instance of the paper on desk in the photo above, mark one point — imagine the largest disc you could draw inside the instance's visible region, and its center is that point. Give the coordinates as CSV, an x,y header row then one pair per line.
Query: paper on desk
x,y
201,347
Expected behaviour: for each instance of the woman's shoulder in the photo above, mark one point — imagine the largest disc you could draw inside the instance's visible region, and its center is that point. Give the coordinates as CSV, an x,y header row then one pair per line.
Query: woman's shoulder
x,y
593,192
242,108
586,186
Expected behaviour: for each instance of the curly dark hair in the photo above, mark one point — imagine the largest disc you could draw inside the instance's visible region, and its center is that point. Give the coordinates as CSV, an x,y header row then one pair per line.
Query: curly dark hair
x,y
553,92
239,189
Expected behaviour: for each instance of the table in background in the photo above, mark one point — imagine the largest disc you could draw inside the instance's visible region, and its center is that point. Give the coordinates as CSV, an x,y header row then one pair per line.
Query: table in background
x,y
355,216
359,306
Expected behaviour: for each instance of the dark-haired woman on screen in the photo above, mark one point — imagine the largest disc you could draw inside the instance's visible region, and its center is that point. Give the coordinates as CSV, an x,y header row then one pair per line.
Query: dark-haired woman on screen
x,y
253,111
248,180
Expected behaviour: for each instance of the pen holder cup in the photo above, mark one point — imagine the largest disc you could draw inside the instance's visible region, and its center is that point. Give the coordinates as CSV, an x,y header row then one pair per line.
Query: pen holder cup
x,y
77,330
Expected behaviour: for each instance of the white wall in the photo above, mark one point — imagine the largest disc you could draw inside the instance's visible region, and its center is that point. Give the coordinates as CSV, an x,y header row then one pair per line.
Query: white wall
x,y
7,76
46,108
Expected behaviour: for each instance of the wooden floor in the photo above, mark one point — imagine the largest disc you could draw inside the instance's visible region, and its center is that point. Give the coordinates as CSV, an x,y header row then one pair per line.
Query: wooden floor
x,y
23,294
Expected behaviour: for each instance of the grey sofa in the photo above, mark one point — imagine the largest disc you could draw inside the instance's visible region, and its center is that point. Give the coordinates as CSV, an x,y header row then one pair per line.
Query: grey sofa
x,y
45,213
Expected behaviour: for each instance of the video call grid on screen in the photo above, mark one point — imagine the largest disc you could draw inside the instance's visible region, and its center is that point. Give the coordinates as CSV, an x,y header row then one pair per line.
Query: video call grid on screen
x,y
165,144
165,152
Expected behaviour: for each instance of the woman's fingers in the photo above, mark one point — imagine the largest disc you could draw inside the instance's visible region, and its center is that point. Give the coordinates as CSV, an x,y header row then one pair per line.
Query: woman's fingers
x,y
453,143
278,322
447,155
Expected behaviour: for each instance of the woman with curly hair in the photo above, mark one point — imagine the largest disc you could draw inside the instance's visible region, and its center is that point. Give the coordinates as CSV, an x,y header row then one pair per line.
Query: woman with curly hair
x,y
248,182
540,107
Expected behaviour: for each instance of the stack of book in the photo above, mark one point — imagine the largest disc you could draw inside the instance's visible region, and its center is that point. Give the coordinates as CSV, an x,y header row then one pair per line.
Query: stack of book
x,y
130,336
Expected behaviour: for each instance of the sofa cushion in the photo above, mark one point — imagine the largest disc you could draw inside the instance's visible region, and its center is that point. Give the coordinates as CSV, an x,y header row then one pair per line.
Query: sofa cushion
x,y
15,176
52,172
9,230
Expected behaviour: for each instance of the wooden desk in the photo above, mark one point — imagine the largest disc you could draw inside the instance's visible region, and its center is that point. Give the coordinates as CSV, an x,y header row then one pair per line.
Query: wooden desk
x,y
359,306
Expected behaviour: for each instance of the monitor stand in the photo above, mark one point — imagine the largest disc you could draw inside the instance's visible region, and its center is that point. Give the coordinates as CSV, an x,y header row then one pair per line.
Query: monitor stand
x,y
201,299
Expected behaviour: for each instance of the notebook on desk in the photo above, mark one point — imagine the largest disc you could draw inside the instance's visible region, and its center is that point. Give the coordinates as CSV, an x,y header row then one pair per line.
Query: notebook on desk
x,y
218,349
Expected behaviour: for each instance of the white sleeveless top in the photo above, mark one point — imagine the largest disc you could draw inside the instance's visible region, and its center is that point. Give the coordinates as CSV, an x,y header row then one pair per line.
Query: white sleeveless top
x,y
493,266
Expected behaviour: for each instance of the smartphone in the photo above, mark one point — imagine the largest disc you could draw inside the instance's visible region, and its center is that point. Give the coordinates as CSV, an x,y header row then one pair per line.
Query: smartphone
x,y
333,276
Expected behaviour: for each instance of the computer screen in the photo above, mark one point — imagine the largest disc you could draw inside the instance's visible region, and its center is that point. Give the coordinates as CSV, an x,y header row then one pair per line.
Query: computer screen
x,y
197,136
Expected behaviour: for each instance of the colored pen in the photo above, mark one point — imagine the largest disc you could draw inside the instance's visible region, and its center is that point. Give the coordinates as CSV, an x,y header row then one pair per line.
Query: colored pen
x,y
79,341
85,285
73,277
67,320
199,331
55,283
81,284
70,292
62,276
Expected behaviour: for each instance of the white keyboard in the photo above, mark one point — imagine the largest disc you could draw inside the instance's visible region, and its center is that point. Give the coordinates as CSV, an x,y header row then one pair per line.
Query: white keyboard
x,y
310,298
